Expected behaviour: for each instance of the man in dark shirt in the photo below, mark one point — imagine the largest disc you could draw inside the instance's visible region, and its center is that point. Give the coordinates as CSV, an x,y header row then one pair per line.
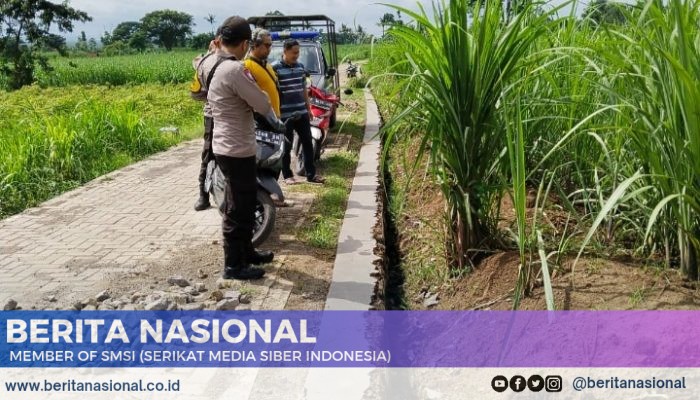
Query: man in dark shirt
x,y
295,101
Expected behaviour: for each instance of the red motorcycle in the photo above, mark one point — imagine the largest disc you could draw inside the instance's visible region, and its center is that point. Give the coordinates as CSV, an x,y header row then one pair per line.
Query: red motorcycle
x,y
323,108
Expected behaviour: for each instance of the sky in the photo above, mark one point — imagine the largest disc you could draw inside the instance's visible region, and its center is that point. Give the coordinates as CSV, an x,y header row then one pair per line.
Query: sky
x,y
107,14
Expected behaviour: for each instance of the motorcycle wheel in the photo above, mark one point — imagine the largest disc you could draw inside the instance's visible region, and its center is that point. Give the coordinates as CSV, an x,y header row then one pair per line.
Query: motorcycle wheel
x,y
317,150
333,120
264,217
300,169
265,213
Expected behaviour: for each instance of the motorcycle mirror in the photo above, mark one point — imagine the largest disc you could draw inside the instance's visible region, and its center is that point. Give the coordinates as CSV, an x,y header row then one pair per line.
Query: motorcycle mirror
x,y
330,72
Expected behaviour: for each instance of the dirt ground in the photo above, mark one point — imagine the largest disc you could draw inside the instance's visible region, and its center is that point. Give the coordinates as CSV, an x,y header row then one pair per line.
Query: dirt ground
x,y
297,268
594,283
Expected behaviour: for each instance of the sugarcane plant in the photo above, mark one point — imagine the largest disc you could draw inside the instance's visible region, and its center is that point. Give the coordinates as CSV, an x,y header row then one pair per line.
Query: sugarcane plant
x,y
462,62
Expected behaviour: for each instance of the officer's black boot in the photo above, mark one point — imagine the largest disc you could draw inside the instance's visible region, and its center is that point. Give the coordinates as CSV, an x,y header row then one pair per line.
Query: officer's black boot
x,y
258,257
203,201
236,267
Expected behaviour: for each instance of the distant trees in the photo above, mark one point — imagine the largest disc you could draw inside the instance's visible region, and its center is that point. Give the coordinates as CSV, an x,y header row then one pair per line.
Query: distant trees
x,y
603,11
162,28
167,28
24,31
277,25
211,19
125,30
346,35
82,42
55,42
386,20
201,41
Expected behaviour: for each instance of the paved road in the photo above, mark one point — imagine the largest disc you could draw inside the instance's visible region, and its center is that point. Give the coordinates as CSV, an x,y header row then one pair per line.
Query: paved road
x,y
111,225
129,230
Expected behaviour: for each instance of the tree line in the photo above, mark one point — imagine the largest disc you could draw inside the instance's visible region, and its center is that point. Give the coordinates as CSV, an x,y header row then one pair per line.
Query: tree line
x,y
163,28
25,32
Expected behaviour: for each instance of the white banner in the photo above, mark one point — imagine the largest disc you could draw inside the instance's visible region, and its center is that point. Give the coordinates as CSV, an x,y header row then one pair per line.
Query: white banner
x,y
348,383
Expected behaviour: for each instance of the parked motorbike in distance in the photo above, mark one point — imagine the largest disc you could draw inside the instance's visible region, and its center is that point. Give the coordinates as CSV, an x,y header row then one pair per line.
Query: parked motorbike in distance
x,y
270,149
352,70
323,107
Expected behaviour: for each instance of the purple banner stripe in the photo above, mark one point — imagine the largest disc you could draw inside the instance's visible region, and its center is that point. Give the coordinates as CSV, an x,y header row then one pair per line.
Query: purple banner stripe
x,y
387,339
573,339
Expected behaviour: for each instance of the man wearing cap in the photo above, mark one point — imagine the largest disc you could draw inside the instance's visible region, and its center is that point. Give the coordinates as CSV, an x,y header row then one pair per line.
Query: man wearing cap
x,y
233,95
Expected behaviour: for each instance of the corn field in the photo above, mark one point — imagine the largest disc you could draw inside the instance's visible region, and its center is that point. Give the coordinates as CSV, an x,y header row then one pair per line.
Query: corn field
x,y
163,68
602,118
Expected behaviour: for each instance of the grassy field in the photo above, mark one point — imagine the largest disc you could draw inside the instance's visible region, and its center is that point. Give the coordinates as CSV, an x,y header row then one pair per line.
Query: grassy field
x,y
163,68
354,52
92,115
56,139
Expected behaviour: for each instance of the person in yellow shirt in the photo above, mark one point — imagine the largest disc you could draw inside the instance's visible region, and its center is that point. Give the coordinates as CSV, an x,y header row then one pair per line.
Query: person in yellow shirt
x,y
262,71
266,77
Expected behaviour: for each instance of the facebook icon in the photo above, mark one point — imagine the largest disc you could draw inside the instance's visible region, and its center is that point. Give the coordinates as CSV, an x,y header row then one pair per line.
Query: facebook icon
x,y
517,383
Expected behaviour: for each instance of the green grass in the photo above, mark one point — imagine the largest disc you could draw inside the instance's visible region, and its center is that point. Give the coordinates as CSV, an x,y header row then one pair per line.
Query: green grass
x,y
329,204
53,140
247,290
322,234
164,68
637,297
338,168
359,82
354,52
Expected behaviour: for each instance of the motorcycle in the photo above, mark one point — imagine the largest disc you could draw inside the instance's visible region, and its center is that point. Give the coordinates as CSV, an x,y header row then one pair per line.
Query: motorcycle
x,y
352,70
323,108
270,149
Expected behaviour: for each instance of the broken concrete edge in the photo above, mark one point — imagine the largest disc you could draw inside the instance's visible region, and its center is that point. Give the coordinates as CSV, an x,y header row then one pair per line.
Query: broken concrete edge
x,y
352,284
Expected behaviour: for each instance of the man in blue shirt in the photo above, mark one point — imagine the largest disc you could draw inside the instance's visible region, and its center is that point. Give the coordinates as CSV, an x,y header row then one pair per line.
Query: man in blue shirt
x,y
295,101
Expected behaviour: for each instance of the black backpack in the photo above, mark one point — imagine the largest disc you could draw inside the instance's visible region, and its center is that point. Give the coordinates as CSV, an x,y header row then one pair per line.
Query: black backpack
x,y
197,90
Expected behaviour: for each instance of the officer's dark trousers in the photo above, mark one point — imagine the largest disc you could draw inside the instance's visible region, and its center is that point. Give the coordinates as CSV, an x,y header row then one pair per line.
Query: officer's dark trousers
x,y
207,153
239,219
303,128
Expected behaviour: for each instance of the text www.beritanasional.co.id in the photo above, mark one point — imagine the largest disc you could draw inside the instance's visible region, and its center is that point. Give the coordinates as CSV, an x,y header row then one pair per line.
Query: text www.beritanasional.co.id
x,y
84,386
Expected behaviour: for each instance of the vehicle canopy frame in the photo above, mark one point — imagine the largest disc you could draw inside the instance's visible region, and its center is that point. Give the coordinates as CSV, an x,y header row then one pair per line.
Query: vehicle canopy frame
x,y
296,22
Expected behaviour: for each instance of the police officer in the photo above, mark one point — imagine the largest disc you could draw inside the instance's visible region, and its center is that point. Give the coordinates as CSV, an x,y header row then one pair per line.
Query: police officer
x,y
203,66
233,95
